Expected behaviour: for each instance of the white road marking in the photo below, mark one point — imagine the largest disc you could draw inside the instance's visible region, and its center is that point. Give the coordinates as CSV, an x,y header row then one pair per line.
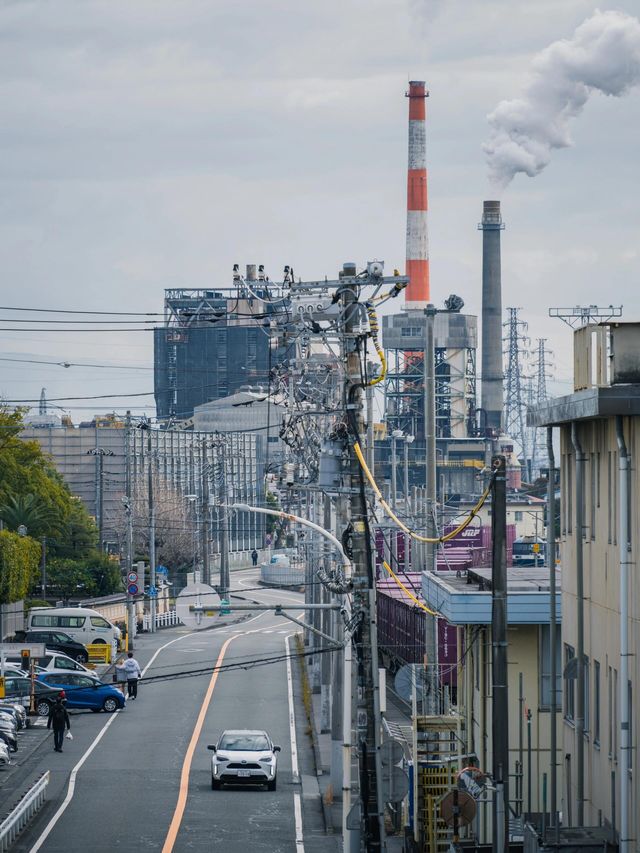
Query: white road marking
x,y
267,632
295,772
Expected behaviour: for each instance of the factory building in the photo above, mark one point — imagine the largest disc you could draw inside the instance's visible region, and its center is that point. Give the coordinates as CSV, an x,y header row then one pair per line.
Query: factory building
x,y
213,342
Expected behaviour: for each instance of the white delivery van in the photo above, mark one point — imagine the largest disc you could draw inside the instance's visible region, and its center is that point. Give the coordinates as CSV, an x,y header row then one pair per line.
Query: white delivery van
x,y
80,623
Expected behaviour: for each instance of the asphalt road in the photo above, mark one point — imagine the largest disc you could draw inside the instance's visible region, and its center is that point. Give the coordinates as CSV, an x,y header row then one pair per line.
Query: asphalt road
x,y
135,775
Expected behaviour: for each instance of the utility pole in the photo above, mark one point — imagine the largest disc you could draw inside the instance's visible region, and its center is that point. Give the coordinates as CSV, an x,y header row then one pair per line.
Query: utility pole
x,y
100,453
204,471
431,625
152,537
43,567
499,675
128,506
367,694
224,519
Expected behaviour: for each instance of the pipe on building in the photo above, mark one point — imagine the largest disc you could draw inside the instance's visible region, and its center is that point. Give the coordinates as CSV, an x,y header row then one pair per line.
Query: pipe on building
x,y
580,680
553,699
623,551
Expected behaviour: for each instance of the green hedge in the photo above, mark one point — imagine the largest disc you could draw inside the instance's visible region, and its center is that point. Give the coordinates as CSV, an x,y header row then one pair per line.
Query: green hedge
x,y
19,561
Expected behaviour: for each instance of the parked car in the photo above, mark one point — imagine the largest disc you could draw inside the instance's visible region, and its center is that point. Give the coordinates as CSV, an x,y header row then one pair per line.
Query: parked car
x,y
244,756
83,624
58,641
9,731
18,687
5,760
17,711
54,661
84,691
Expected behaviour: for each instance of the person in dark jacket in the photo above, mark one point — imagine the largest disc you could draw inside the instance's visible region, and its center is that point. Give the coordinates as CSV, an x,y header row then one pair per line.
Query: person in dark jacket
x,y
58,719
254,557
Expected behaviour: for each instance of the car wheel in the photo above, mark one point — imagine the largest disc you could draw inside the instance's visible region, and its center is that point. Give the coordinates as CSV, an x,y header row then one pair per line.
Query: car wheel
x,y
42,707
81,657
99,643
110,705
215,785
271,786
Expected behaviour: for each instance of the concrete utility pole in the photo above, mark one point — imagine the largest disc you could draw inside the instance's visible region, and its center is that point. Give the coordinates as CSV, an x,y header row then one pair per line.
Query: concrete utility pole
x,y
152,536
224,518
499,675
204,471
128,506
100,453
367,694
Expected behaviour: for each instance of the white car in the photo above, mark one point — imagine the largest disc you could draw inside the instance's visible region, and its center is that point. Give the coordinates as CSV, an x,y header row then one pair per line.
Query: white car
x,y
244,756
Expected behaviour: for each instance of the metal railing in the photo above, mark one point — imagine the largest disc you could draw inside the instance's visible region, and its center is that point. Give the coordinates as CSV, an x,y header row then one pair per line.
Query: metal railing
x,y
20,815
163,620
99,652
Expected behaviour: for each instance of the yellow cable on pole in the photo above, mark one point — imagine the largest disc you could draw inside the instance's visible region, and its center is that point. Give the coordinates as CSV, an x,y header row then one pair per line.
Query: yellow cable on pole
x,y
417,536
408,592
373,326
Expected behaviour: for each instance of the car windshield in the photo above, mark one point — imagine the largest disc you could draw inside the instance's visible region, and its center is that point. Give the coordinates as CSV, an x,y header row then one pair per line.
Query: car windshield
x,y
243,741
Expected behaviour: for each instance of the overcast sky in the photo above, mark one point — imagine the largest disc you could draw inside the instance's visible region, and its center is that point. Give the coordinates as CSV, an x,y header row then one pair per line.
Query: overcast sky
x,y
148,144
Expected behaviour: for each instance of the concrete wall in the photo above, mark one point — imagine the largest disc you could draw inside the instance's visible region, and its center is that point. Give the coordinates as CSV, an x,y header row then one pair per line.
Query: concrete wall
x,y
601,610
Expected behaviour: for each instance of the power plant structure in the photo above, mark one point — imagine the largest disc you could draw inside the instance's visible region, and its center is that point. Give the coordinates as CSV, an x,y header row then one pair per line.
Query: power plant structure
x,y
210,344
492,369
403,334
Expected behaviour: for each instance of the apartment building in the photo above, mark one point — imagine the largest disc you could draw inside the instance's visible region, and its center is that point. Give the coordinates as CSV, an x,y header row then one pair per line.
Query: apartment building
x,y
599,427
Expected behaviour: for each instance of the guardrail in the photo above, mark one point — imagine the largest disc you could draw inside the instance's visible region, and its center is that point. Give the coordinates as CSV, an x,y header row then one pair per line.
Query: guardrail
x,y
99,652
20,815
163,620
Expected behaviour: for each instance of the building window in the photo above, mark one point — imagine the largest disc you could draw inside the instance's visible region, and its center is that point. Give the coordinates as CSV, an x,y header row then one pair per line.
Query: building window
x,y
569,686
612,703
518,515
596,702
586,691
544,698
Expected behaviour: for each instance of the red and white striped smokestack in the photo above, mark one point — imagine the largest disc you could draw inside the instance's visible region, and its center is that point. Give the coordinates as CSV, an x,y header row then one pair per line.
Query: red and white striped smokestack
x,y
417,267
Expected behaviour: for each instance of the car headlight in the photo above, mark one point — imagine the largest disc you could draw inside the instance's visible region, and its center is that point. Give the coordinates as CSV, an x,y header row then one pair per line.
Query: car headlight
x,y
266,759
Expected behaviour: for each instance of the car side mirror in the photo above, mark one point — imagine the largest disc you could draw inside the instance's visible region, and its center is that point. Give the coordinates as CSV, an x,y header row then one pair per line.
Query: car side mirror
x,y
277,749
211,747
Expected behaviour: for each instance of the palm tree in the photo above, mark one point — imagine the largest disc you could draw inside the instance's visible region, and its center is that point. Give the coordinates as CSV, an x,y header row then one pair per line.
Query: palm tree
x,y
30,511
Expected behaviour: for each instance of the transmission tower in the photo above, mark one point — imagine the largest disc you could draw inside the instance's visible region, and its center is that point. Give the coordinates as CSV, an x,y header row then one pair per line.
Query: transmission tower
x,y
542,366
514,396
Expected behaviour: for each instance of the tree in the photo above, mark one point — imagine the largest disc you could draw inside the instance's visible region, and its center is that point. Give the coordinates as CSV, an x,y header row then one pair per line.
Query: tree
x,y
19,561
29,511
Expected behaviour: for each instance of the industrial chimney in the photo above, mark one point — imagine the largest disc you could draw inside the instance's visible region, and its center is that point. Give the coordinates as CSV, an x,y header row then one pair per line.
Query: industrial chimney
x,y
492,372
417,266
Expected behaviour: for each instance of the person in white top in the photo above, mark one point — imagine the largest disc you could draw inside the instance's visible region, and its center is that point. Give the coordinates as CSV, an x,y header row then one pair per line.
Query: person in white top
x,y
132,668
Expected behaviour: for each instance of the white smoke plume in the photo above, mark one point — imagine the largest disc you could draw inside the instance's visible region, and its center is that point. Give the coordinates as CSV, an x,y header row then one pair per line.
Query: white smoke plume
x,y
603,55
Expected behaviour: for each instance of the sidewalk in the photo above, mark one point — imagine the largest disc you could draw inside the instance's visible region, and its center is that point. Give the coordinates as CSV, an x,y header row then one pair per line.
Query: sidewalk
x,y
332,804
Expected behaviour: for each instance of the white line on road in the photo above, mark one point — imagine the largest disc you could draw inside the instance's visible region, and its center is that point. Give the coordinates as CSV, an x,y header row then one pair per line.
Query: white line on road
x,y
295,772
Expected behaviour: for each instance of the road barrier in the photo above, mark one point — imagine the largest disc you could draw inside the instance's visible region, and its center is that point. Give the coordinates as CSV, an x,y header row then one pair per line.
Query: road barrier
x,y
99,653
20,815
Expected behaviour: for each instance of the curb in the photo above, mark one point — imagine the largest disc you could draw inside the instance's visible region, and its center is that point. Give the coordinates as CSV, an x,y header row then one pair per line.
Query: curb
x,y
317,758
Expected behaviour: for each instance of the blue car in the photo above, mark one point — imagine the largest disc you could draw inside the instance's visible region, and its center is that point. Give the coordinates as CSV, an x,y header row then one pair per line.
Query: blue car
x,y
84,691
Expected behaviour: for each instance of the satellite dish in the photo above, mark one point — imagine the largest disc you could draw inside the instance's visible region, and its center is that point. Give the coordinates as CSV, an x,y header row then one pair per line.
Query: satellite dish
x,y
466,807
197,594
406,677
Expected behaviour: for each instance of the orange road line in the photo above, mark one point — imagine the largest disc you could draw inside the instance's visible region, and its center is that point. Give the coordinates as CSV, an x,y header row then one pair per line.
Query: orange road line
x,y
178,814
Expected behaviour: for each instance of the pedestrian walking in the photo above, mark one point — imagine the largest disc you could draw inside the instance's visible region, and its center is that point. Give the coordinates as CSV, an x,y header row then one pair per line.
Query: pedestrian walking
x,y
58,719
254,557
121,675
132,669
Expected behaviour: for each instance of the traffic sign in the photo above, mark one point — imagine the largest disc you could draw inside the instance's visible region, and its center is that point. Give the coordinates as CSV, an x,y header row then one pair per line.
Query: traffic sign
x,y
536,547
132,589
153,592
132,577
162,570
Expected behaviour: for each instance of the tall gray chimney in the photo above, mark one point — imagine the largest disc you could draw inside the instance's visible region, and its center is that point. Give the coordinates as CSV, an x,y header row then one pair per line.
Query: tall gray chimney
x,y
492,371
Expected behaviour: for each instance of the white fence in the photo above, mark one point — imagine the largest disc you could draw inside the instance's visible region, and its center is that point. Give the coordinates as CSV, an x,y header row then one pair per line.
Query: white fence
x,y
21,814
163,620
